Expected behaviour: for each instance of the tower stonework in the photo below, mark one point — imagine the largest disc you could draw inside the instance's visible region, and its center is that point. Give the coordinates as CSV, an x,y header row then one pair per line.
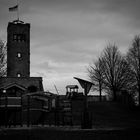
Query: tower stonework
x,y
18,49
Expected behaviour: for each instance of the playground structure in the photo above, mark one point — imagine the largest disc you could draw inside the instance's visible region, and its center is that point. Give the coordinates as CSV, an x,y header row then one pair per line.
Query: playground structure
x,y
26,109
42,108
37,108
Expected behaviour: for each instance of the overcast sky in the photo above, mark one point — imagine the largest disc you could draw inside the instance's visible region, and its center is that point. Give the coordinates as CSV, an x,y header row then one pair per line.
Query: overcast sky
x,y
67,35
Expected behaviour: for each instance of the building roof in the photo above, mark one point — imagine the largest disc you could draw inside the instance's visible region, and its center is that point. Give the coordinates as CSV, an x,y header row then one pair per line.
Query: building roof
x,y
72,86
13,85
41,94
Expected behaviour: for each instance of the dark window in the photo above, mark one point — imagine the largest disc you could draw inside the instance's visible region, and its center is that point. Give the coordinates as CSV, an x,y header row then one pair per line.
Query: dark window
x,y
14,37
32,88
19,37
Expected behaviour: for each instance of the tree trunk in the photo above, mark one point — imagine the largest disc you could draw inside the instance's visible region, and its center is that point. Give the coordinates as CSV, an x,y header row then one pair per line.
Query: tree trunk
x,y
100,91
114,95
139,94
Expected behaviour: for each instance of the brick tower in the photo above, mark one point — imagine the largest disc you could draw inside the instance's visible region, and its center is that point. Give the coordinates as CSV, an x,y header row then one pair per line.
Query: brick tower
x,y
18,49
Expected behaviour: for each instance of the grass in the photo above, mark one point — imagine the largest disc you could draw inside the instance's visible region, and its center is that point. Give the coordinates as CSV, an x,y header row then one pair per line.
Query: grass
x,y
113,114
111,121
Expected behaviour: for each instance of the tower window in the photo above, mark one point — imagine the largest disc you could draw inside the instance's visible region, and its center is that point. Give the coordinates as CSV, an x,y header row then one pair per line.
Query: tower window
x,y
14,37
19,55
19,38
18,75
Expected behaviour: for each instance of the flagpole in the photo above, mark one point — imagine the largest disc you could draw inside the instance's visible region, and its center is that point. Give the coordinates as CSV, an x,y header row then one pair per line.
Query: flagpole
x,y
17,11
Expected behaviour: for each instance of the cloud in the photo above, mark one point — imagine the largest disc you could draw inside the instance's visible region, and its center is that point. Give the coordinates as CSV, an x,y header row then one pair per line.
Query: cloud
x,y
71,37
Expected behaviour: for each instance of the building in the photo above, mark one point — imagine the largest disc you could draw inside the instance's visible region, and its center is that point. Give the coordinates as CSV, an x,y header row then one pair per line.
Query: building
x,y
18,86
18,78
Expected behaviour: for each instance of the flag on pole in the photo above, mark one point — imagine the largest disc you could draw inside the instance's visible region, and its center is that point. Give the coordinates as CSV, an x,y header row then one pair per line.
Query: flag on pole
x,y
14,8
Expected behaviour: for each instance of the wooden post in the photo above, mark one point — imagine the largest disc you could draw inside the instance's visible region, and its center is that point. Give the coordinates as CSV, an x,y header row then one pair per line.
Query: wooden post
x,y
21,123
28,110
0,110
6,111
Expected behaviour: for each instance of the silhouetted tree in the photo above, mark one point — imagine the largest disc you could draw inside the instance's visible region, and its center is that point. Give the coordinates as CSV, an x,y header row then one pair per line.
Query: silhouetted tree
x,y
95,72
2,59
133,58
115,70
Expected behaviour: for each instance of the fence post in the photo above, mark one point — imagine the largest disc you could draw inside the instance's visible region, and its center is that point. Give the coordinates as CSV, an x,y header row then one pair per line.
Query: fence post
x,y
21,123
28,110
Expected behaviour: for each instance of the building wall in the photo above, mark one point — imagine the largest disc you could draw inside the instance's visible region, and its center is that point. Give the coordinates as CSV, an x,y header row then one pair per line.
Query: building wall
x,y
23,81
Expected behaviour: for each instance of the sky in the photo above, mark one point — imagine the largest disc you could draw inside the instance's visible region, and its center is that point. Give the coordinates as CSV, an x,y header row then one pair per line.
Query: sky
x,y
68,35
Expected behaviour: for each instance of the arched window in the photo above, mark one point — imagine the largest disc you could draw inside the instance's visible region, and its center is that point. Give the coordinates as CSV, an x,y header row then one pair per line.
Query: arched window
x,y
18,75
19,55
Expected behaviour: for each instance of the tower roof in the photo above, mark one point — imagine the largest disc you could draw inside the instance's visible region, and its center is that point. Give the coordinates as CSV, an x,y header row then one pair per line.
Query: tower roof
x,y
18,21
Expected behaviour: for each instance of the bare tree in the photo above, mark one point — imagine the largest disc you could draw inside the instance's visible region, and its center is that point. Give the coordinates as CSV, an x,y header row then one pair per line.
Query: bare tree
x,y
133,58
115,70
2,59
96,75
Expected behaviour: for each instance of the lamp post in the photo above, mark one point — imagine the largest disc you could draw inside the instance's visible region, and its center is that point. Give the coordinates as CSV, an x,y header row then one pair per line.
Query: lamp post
x,y
6,103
